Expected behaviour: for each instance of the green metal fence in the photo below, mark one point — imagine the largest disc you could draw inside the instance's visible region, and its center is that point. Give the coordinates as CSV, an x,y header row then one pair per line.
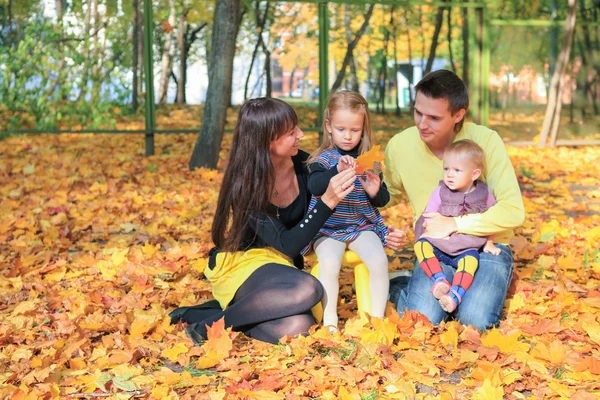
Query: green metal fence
x,y
479,23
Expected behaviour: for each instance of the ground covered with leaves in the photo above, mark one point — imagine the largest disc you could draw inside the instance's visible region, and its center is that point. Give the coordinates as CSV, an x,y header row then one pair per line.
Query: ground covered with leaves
x,y
98,244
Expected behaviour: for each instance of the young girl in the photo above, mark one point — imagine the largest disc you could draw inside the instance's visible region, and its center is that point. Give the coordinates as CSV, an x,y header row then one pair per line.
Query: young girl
x,y
458,194
355,224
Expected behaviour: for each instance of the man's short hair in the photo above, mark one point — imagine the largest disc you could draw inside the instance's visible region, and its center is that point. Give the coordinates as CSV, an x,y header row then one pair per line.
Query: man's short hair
x,y
444,84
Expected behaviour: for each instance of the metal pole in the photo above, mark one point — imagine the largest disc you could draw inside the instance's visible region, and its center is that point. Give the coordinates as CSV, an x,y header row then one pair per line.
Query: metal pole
x,y
149,78
323,58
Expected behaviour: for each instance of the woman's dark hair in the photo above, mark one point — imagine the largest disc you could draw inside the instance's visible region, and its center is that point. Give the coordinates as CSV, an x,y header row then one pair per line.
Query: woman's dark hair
x,y
444,84
249,176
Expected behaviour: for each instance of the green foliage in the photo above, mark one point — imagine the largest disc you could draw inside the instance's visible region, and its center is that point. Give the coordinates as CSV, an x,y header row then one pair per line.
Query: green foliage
x,y
44,63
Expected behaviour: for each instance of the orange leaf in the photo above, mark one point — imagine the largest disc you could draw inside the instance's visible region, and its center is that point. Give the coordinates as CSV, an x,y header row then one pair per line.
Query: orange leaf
x,y
166,26
367,160
216,329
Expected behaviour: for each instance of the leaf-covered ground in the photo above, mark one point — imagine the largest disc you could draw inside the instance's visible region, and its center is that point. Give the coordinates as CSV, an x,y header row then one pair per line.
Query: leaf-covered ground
x,y
98,244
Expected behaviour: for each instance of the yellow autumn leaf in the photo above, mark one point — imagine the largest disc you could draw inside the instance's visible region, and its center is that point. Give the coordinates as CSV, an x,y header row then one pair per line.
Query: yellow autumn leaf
x,y
143,322
593,331
516,302
450,336
173,353
25,307
489,392
118,257
509,345
149,250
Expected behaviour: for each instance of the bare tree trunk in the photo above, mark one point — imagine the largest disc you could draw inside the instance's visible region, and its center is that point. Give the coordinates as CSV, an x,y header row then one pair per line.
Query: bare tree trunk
x,y
552,117
136,34
434,41
383,70
449,20
465,38
225,29
252,59
260,25
267,53
291,82
422,37
167,56
410,59
10,23
96,49
395,44
181,31
140,48
353,76
342,73
188,40
86,51
61,51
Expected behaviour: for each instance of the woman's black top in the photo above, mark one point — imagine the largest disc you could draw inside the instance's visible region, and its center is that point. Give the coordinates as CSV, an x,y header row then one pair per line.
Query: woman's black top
x,y
294,228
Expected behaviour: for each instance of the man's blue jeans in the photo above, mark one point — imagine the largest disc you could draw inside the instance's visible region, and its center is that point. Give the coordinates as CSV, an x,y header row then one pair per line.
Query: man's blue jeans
x,y
481,306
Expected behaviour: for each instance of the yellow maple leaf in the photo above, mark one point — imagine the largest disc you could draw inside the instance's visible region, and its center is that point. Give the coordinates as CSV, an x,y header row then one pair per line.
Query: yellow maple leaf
x,y
367,160
118,257
489,392
593,331
149,250
450,337
174,352
160,391
143,322
517,301
25,307
509,345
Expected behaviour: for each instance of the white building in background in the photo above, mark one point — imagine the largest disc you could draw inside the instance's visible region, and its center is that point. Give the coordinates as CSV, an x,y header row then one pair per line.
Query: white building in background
x,y
409,74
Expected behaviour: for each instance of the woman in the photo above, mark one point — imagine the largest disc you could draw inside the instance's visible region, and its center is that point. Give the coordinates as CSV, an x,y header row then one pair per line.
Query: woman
x,y
260,227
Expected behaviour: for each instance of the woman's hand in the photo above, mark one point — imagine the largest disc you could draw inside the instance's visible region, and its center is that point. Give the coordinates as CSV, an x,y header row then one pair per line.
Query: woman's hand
x,y
346,162
437,226
339,187
371,184
395,238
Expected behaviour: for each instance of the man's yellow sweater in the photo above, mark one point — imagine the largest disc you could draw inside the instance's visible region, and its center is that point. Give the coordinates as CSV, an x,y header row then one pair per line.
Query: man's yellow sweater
x,y
412,167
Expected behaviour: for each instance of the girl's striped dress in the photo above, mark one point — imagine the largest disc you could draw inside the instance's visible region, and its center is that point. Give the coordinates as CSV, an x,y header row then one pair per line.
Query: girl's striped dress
x,y
353,215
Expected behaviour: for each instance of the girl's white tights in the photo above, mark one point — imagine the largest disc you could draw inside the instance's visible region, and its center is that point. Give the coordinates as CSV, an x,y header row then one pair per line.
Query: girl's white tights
x,y
369,248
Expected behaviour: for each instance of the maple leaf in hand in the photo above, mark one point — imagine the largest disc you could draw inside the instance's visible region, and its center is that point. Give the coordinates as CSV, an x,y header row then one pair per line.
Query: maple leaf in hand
x,y
369,159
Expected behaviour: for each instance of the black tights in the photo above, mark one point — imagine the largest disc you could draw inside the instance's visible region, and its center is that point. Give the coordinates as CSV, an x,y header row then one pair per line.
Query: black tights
x,y
275,301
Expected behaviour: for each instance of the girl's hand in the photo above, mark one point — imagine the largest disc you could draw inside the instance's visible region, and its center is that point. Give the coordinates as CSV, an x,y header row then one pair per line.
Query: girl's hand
x,y
339,187
345,163
491,248
395,238
372,184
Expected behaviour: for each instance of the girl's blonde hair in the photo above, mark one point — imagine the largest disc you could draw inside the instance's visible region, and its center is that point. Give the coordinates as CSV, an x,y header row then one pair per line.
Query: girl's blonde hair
x,y
468,149
345,100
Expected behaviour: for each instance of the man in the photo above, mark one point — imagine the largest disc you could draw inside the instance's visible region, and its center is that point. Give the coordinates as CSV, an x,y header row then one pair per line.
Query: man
x,y
414,165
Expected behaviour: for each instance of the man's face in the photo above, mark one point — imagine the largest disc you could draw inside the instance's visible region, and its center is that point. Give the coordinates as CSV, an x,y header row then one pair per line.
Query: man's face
x,y
435,121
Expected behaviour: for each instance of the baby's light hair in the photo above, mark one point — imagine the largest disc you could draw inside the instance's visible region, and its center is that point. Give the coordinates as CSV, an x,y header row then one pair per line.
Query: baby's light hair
x,y
345,100
468,149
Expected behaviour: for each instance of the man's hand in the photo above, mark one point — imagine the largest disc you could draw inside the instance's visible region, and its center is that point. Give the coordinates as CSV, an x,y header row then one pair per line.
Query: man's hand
x,y
395,238
438,226
372,184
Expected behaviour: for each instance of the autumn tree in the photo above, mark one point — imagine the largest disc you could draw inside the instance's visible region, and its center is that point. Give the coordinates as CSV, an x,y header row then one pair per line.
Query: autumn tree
x,y
350,46
193,22
225,28
262,18
552,116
